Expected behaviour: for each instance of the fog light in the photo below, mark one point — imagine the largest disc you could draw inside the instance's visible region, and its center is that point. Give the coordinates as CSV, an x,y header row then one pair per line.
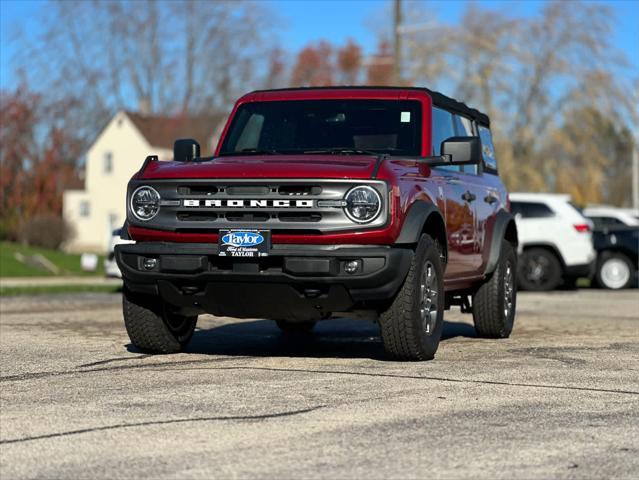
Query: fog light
x,y
352,266
150,263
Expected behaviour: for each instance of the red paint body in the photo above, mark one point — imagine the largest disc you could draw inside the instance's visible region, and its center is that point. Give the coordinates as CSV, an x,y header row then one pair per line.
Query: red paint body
x,y
467,224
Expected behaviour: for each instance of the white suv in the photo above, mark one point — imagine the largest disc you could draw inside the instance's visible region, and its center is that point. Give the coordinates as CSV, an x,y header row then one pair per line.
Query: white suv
x,y
555,238
111,268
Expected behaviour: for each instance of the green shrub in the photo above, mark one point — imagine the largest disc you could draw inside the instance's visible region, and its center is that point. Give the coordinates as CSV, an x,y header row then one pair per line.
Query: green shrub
x,y
47,231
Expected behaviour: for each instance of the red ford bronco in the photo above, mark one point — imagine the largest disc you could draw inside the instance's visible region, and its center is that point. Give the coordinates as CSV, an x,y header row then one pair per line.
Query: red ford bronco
x,y
382,203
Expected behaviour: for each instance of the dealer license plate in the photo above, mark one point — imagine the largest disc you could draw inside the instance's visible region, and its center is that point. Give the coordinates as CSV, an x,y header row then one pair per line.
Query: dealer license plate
x,y
244,243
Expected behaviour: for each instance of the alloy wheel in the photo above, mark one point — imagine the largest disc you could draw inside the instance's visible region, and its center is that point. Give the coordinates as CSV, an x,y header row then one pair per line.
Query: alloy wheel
x,y
428,307
509,290
614,273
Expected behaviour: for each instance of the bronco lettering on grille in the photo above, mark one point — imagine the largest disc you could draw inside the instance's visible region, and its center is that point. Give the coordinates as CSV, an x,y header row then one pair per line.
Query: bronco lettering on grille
x,y
233,203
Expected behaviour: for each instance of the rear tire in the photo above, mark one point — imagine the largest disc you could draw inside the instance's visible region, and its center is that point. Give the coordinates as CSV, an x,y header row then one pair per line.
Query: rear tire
x,y
614,271
295,328
539,270
412,326
495,302
152,327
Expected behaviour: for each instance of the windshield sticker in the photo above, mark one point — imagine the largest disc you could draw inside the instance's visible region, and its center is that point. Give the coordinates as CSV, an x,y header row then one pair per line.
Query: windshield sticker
x,y
405,118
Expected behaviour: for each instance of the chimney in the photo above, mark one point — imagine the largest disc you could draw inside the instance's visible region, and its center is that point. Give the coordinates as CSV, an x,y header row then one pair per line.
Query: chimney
x,y
144,106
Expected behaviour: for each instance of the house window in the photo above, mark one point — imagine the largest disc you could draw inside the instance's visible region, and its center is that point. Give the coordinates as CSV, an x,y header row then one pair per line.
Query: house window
x,y
108,162
85,209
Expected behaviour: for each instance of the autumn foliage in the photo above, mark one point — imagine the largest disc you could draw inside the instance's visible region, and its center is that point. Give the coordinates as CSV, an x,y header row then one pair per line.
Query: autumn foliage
x,y
38,161
323,64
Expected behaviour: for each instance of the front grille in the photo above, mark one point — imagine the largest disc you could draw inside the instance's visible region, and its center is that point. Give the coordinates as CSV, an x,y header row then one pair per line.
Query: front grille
x,y
247,216
299,190
291,206
186,190
299,217
197,216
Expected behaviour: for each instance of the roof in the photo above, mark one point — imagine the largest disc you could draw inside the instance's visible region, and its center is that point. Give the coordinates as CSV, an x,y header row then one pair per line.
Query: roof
x,y
532,196
162,131
439,99
625,215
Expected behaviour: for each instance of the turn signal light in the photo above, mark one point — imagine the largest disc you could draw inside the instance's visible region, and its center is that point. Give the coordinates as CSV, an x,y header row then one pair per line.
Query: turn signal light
x,y
582,227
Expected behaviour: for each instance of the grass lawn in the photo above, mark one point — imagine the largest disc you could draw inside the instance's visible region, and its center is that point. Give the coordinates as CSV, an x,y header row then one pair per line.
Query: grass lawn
x,y
29,290
69,264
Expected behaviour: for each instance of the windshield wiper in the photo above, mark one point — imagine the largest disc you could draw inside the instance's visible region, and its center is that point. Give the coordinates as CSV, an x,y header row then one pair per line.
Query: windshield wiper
x,y
343,150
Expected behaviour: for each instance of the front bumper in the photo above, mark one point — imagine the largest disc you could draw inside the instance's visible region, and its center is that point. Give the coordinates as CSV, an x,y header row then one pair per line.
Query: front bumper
x,y
584,270
295,282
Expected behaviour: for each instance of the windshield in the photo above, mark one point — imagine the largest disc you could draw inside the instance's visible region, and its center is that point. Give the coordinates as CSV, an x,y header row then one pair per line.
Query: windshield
x,y
351,127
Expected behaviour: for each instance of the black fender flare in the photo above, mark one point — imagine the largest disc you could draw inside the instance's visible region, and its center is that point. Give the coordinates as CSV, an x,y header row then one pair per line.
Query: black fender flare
x,y
418,214
504,227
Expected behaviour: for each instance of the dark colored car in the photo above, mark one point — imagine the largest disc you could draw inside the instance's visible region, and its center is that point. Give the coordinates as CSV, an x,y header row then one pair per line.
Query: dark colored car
x,y
617,256
383,203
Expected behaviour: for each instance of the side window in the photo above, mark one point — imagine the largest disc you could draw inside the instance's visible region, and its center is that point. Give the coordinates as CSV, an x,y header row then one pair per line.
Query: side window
x,y
531,210
107,165
488,149
85,209
443,128
604,222
464,128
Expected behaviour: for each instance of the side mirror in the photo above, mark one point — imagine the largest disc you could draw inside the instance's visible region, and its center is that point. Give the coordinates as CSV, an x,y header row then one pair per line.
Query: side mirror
x,y
185,150
462,150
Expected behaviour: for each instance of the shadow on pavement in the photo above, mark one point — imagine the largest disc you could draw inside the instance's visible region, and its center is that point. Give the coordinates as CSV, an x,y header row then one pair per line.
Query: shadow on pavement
x,y
341,338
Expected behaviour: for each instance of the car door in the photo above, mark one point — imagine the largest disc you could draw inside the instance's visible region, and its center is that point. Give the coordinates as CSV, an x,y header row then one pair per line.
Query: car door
x,y
486,190
459,211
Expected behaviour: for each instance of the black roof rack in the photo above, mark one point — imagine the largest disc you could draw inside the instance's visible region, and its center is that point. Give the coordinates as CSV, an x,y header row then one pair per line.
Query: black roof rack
x,y
439,99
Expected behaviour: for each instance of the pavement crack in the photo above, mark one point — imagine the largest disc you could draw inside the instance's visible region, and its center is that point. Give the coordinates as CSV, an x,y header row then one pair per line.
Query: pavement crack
x,y
117,359
439,379
58,373
240,418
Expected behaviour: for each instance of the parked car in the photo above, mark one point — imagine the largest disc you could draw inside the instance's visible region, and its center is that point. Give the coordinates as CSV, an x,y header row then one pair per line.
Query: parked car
x,y
383,203
605,217
617,257
555,241
111,268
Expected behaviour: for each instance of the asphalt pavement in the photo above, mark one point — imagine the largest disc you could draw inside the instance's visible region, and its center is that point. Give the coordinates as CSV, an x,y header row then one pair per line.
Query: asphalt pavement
x,y
559,399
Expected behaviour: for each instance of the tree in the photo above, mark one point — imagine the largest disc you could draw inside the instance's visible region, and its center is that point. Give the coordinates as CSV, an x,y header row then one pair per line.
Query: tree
x,y
37,160
349,63
184,56
276,69
590,154
529,74
381,66
314,66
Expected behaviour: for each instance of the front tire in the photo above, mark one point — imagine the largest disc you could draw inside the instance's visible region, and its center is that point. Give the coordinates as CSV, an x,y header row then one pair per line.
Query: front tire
x,y
152,327
412,326
495,302
614,271
539,270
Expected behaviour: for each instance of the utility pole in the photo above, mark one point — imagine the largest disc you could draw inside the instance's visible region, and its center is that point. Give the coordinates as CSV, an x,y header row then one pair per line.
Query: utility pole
x,y
397,22
635,175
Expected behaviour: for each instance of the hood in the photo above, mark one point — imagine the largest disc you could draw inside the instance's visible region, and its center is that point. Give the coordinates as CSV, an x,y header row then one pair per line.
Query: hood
x,y
272,166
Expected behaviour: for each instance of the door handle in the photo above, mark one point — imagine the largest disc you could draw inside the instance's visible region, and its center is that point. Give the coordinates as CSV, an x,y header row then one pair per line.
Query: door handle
x,y
491,198
468,196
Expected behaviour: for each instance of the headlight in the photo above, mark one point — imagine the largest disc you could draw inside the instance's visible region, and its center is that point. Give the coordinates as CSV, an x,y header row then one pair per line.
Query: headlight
x,y
363,204
145,203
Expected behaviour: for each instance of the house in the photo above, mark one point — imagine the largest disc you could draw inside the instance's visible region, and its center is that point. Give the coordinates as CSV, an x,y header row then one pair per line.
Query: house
x,y
116,154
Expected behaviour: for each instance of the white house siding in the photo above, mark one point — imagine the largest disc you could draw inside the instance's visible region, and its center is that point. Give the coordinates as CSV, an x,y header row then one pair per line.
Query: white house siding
x,y
104,191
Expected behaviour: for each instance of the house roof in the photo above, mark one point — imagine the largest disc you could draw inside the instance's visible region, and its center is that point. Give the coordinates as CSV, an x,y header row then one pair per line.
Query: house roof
x,y
162,131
